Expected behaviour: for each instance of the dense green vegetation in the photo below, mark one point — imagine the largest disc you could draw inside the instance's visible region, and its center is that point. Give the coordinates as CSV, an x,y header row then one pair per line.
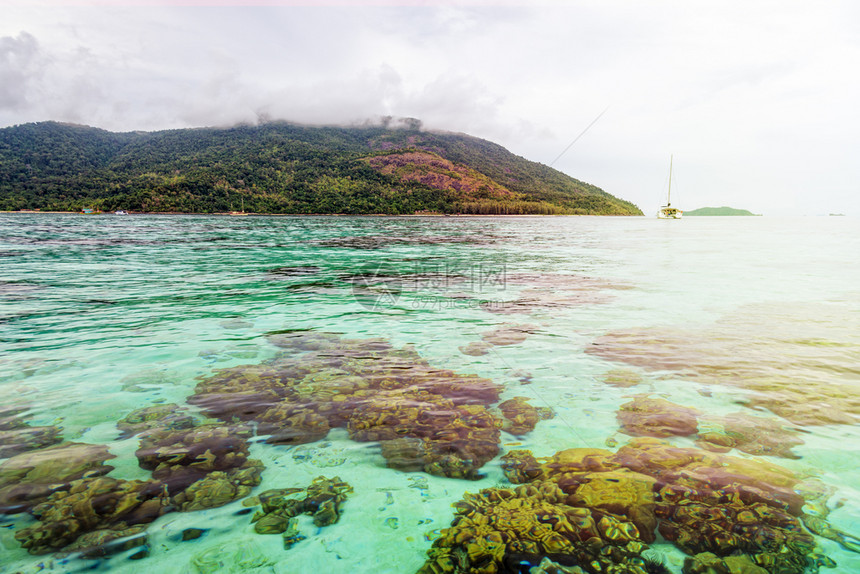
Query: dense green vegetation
x,y
282,168
718,211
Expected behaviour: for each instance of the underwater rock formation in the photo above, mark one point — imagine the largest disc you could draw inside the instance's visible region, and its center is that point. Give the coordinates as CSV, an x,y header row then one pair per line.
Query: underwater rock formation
x,y
167,416
731,520
509,530
508,335
426,418
475,349
193,468
645,416
220,487
709,563
700,501
797,365
749,434
322,500
445,439
93,512
31,477
16,436
181,457
547,291
622,378
520,417
26,438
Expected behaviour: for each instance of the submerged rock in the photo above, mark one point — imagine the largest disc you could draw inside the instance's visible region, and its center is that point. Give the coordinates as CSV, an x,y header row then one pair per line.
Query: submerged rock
x,y
508,530
709,563
17,436
508,335
622,378
167,416
31,477
700,501
420,431
749,434
645,416
426,418
202,467
322,500
93,512
520,417
475,349
218,488
26,438
798,364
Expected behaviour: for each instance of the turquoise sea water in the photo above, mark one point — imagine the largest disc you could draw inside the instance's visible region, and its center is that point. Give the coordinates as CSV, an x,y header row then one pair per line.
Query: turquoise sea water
x,y
104,315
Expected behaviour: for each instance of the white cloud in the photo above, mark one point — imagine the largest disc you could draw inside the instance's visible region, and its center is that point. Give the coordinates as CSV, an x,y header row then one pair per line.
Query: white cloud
x,y
18,70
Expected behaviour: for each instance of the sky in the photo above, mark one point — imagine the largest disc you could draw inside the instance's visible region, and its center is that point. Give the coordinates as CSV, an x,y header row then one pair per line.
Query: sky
x,y
756,101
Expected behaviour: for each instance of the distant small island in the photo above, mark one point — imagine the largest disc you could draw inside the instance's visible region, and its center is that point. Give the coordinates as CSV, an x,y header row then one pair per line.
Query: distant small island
x,y
718,211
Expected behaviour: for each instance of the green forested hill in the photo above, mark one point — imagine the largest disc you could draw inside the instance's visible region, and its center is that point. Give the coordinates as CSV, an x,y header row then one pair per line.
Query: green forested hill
x,y
282,168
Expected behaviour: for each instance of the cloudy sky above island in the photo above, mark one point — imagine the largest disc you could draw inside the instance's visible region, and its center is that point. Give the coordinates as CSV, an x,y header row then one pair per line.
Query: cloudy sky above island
x,y
757,100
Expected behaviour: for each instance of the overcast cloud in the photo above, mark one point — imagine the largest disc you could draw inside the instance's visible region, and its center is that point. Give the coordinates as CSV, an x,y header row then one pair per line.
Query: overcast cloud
x,y
757,100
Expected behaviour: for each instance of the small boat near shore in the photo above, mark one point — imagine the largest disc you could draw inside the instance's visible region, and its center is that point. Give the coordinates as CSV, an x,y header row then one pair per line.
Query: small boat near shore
x,y
667,211
242,212
120,212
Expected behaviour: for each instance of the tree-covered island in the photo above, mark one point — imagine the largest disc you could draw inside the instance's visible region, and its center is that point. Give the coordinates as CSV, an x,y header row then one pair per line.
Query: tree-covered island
x,y
279,167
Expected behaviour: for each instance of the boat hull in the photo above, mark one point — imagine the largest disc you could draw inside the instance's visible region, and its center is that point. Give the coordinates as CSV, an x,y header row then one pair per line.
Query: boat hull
x,y
670,213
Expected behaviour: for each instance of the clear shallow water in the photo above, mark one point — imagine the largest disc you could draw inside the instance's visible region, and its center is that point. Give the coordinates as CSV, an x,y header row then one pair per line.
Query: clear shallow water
x,y
102,315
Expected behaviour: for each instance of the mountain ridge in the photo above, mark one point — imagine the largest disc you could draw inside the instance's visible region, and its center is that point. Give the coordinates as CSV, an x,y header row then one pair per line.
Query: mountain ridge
x,y
280,167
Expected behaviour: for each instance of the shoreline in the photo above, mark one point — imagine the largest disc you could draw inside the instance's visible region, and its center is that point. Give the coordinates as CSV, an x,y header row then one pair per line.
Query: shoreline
x,y
227,214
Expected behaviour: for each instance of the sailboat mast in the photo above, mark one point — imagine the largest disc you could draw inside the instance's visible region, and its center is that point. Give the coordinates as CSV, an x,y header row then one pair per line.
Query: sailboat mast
x,y
669,197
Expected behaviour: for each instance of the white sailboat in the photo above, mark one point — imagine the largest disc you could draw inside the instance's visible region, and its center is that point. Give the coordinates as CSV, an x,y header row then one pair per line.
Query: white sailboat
x,y
238,212
667,211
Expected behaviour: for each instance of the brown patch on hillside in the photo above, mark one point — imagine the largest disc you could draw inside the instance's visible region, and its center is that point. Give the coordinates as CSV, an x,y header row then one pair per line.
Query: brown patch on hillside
x,y
437,172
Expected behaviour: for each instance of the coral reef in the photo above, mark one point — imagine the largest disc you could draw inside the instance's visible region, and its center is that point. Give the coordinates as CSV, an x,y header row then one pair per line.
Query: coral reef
x,y
748,350
181,457
322,500
502,336
710,563
31,477
622,378
547,291
193,468
645,416
25,438
476,349
507,530
384,241
93,512
428,433
508,334
746,510
426,418
167,416
220,487
749,434
520,417
16,436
